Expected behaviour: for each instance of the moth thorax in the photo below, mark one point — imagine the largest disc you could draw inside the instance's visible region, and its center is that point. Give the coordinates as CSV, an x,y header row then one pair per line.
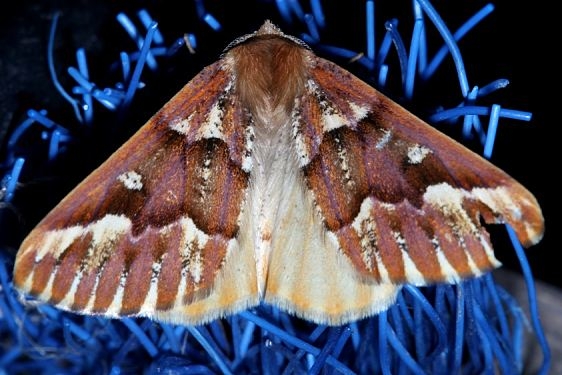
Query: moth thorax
x,y
270,73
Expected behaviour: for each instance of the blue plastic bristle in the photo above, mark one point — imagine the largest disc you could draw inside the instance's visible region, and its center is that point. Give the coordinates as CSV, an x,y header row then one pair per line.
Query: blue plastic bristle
x,y
52,71
87,102
296,8
312,27
318,13
141,42
147,21
284,10
215,355
144,55
370,28
212,22
532,299
10,180
450,42
457,36
492,130
391,27
411,68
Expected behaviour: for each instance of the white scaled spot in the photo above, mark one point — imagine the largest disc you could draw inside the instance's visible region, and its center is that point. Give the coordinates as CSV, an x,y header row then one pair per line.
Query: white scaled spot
x,y
131,180
105,233
182,126
498,200
417,153
191,235
359,113
57,241
212,128
387,134
331,120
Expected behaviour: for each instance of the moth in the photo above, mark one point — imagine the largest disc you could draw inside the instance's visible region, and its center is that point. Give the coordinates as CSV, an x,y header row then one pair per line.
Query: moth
x,y
273,176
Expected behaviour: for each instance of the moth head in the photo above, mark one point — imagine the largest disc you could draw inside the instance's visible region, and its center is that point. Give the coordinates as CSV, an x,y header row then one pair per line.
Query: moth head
x,y
267,30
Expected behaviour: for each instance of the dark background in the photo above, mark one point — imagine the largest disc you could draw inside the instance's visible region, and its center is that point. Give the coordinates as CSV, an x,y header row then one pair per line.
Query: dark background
x,y
507,44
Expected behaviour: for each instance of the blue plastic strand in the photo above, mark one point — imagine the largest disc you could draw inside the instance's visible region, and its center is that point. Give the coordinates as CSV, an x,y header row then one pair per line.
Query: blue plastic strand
x,y
384,49
294,341
432,316
409,77
400,329
422,42
215,356
135,77
312,27
392,29
449,41
384,354
7,323
87,108
51,64
212,22
125,65
471,122
421,333
54,144
247,336
492,130
15,136
343,338
480,111
340,52
456,360
284,10
10,181
171,338
321,358
493,86
81,80
499,311
218,334
58,316
458,35
407,359
370,22
41,117
518,323
200,8
383,74
296,8
141,336
501,356
472,336
355,335
146,20
318,13
532,298
236,339
8,357
130,28
404,309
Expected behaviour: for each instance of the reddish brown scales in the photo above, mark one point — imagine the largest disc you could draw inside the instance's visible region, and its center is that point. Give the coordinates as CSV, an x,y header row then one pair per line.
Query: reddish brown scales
x,y
171,264
68,268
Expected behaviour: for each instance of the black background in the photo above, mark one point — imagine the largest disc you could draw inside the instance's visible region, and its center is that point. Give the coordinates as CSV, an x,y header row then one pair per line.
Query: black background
x,y
517,42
